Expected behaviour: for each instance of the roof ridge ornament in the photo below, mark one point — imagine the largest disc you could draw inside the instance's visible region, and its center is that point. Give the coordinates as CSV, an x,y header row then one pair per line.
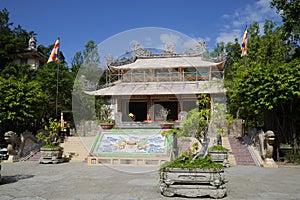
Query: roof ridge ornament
x,y
198,49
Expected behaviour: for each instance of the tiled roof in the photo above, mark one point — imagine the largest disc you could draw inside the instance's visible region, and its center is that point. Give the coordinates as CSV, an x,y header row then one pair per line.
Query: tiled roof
x,y
169,62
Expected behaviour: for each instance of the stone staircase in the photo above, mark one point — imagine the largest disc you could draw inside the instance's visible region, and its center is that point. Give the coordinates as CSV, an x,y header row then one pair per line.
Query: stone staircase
x,y
240,151
35,157
77,148
226,144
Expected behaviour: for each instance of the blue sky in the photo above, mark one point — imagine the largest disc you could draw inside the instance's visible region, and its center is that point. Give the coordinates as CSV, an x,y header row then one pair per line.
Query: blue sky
x,y
76,22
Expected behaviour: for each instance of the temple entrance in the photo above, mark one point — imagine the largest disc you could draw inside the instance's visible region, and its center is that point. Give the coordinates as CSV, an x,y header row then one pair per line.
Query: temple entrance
x,y
139,109
171,106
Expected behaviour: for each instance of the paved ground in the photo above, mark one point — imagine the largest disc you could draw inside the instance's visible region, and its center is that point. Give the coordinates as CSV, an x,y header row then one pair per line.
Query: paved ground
x,y
30,180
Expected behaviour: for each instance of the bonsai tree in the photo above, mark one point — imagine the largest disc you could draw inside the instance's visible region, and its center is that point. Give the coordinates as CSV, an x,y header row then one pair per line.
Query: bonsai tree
x,y
196,124
197,121
105,114
164,113
51,134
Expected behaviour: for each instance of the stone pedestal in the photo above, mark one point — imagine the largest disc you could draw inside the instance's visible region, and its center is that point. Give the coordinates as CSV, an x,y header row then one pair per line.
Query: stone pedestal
x,y
269,163
193,183
13,158
220,157
51,155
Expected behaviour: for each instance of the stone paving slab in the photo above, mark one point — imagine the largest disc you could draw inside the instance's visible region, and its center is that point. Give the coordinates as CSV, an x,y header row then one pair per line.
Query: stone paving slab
x,y
30,180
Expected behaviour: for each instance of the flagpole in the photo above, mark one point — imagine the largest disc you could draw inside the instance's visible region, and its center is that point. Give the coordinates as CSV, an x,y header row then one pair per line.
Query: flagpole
x,y
56,101
57,70
53,58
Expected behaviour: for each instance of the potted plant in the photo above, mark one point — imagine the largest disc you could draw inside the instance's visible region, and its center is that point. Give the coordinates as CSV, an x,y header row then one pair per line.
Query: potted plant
x,y
105,117
187,176
194,173
165,124
51,152
219,154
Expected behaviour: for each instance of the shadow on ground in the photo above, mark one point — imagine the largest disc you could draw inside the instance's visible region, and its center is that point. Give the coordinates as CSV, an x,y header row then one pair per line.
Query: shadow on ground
x,y
13,179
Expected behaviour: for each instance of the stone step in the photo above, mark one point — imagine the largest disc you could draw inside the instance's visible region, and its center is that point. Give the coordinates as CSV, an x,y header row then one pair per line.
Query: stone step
x,y
77,148
226,144
240,152
35,157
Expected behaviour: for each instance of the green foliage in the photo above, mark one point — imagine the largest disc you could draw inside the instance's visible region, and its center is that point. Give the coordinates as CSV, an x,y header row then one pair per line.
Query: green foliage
x,y
185,162
105,114
51,134
219,117
233,56
12,70
49,77
217,148
12,39
52,146
169,132
264,87
25,93
86,71
290,13
21,101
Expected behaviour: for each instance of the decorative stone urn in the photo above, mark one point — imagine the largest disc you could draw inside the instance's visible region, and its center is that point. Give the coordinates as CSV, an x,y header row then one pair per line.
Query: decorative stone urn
x,y
51,155
166,125
193,183
106,126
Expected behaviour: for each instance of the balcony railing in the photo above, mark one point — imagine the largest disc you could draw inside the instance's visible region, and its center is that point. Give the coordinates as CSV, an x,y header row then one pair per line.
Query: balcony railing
x,y
167,76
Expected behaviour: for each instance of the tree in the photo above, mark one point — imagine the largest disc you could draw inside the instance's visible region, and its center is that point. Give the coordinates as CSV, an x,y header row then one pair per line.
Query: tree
x,y
197,121
269,88
57,82
233,55
87,70
12,40
290,12
76,62
267,85
22,102
18,71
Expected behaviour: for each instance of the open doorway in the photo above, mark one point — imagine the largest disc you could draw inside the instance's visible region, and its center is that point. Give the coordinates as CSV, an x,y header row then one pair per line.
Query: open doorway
x,y
139,109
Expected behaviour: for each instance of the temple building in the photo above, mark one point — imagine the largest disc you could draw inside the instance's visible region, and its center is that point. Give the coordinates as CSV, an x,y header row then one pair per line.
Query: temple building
x,y
151,84
148,92
31,56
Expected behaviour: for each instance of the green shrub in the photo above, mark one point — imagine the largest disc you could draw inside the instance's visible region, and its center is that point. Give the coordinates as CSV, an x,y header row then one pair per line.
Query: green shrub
x,y
185,161
217,148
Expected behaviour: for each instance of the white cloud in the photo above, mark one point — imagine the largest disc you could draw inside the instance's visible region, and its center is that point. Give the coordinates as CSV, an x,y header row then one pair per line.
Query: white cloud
x,y
169,38
148,41
229,36
193,42
235,22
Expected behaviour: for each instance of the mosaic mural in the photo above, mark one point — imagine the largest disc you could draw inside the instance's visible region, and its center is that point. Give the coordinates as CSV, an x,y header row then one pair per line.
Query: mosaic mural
x,y
131,143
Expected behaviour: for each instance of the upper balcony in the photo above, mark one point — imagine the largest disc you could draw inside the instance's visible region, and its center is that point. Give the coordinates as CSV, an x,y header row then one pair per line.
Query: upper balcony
x,y
167,69
173,76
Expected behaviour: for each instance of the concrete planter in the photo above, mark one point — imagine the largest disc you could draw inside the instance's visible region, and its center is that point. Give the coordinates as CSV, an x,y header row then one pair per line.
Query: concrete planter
x,y
219,157
166,125
51,155
193,183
